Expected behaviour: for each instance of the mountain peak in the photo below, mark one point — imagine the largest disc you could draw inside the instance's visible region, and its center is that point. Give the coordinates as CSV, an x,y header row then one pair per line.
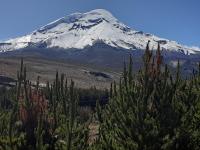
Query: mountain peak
x,y
101,12
93,14
80,30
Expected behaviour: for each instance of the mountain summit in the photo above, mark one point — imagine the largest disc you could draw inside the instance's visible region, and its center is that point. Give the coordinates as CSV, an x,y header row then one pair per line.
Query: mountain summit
x,y
80,30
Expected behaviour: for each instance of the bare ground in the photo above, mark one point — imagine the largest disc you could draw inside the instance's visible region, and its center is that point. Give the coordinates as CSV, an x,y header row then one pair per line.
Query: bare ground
x,y
46,69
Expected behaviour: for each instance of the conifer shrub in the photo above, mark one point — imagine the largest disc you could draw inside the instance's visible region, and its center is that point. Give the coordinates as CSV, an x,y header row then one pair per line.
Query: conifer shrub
x,y
151,109
148,110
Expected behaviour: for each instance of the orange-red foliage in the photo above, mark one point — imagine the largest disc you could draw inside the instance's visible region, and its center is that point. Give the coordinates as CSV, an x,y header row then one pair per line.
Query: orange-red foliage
x,y
33,107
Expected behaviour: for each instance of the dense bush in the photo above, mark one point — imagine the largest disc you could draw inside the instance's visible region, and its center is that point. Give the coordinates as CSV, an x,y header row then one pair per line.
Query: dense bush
x,y
42,118
152,109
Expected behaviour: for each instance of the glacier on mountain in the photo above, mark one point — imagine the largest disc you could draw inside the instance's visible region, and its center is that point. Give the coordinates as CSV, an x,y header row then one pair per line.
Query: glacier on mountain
x,y
80,30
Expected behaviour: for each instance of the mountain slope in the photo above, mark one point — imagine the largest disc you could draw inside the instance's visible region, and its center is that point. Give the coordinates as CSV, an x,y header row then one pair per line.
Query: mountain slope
x,y
82,45
80,30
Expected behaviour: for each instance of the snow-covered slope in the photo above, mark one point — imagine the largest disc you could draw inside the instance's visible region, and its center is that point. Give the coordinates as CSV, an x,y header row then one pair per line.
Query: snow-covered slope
x,y
79,30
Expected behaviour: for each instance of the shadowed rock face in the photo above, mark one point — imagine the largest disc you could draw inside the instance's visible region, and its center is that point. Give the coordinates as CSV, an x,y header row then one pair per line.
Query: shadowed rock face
x,y
6,81
100,74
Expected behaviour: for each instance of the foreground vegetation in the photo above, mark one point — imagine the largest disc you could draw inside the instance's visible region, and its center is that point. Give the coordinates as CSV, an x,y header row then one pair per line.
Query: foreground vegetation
x,y
149,110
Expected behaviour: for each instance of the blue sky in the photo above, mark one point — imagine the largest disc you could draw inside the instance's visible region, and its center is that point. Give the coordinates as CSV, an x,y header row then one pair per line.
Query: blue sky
x,y
177,20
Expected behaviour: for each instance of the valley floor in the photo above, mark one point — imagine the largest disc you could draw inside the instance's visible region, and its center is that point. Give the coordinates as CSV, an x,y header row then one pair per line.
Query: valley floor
x,y
85,76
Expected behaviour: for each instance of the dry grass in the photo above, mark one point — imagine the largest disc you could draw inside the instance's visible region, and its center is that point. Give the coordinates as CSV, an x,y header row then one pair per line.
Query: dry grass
x,y
94,132
46,69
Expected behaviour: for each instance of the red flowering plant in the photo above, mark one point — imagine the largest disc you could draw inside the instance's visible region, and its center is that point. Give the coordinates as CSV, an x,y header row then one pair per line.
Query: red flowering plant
x,y
152,64
33,109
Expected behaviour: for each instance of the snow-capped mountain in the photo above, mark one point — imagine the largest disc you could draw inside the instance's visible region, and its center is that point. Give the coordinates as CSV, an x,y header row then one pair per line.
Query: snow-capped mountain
x,y
80,30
